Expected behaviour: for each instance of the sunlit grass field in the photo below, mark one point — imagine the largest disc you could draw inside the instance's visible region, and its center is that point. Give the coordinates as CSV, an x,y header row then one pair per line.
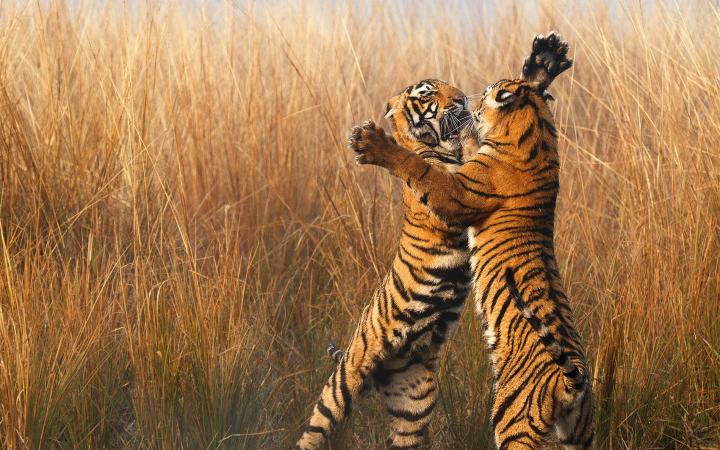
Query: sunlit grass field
x,y
182,228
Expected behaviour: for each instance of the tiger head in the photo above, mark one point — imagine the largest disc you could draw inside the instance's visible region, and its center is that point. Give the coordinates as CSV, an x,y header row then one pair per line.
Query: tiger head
x,y
430,113
506,105
513,111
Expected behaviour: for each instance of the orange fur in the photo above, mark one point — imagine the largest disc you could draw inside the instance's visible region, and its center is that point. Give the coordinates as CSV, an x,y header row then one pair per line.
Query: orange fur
x,y
506,194
401,332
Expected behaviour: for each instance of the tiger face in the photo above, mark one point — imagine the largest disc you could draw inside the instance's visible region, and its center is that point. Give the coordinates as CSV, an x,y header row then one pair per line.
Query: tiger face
x,y
432,113
505,103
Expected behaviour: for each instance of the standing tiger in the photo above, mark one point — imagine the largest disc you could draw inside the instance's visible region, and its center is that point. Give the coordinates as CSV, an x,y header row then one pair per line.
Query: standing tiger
x,y
506,194
401,332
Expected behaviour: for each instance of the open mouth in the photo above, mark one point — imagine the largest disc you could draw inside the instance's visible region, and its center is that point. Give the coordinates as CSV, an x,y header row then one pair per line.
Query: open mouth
x,y
453,122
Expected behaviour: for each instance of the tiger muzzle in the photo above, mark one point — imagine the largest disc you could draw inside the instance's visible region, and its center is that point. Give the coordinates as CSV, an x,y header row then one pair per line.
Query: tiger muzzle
x,y
453,123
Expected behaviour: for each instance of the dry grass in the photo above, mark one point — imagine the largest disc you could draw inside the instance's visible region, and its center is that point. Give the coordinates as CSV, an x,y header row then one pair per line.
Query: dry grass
x,y
181,230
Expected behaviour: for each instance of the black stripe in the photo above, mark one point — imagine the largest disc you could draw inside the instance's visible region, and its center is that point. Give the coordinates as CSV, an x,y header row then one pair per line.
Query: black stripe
x,y
431,390
533,153
411,416
457,274
427,169
314,429
526,134
327,413
347,400
412,236
515,439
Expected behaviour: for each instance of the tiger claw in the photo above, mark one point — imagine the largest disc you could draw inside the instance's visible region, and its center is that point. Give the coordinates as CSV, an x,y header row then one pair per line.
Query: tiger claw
x,y
563,49
369,125
537,42
552,39
354,137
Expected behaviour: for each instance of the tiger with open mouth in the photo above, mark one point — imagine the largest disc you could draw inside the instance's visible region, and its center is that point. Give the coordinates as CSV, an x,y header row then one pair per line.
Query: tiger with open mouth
x,y
396,345
506,193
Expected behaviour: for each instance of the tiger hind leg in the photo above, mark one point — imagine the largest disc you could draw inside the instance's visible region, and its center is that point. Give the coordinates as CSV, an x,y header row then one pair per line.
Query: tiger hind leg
x,y
519,439
338,395
517,422
344,386
410,393
575,428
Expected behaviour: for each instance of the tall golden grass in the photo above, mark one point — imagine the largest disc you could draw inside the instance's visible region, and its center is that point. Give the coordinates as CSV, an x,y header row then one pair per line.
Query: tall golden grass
x,y
182,231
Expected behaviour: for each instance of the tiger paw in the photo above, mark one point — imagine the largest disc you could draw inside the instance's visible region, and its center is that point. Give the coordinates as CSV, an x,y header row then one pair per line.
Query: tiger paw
x,y
547,60
370,143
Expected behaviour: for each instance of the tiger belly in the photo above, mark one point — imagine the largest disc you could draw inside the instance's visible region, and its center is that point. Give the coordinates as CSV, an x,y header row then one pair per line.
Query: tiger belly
x,y
433,304
489,332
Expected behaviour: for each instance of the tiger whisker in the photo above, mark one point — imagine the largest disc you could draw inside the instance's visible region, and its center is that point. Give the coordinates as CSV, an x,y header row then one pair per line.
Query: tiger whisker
x,y
460,123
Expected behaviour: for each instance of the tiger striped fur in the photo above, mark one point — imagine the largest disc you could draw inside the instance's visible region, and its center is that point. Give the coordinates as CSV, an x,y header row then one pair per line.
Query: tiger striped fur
x,y
506,194
400,334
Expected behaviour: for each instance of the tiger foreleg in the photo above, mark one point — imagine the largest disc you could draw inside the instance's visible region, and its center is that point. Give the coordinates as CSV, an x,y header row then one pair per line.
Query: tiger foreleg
x,y
445,193
521,420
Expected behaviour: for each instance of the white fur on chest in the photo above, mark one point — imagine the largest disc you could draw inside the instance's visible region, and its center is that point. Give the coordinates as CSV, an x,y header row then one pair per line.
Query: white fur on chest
x,y
489,330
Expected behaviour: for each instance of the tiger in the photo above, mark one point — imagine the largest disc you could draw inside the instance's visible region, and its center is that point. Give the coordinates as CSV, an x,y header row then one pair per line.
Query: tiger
x,y
397,343
506,194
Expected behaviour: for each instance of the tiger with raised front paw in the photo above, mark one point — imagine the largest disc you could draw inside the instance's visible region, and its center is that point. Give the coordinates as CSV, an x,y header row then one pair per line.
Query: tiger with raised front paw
x,y
506,194
397,342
